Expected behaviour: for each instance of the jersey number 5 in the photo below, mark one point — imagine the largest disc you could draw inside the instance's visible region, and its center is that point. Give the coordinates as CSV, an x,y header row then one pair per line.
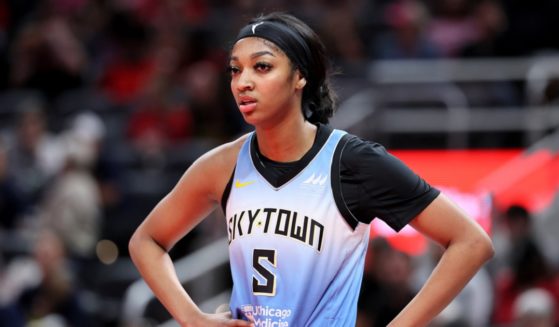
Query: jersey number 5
x,y
268,288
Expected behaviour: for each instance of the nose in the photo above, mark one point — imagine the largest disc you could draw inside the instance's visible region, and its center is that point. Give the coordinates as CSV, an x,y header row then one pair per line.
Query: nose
x,y
245,81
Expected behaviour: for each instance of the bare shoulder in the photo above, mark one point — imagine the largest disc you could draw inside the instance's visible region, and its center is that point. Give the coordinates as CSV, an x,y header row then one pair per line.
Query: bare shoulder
x,y
216,166
223,156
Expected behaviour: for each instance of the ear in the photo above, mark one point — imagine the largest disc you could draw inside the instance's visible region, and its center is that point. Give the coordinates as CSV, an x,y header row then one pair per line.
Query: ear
x,y
301,83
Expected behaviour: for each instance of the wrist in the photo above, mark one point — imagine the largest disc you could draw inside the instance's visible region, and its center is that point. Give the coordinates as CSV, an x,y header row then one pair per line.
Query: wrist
x,y
191,319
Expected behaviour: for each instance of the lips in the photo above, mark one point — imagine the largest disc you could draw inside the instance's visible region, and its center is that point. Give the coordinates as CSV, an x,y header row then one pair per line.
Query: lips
x,y
247,104
245,99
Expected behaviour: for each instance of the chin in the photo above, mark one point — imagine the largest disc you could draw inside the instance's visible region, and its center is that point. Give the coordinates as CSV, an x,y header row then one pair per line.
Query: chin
x,y
251,119
258,121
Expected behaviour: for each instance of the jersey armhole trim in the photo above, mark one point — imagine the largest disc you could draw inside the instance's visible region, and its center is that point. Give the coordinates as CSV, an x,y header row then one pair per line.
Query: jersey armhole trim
x,y
227,191
336,183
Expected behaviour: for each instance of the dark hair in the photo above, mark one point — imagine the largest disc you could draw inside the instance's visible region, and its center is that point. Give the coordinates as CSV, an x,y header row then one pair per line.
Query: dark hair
x,y
318,97
529,263
519,211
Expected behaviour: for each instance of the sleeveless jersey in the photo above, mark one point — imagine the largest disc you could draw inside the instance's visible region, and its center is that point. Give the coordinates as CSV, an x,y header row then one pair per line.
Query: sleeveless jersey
x,y
295,260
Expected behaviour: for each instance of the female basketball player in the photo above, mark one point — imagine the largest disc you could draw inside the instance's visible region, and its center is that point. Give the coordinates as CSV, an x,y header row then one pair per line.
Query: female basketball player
x,y
298,197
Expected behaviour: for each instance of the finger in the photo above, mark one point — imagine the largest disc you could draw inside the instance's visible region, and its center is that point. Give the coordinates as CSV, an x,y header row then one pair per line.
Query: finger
x,y
240,323
225,315
244,315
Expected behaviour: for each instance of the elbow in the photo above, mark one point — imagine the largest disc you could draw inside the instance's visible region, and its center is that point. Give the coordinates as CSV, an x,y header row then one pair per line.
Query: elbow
x,y
490,251
135,244
483,246
141,243
476,245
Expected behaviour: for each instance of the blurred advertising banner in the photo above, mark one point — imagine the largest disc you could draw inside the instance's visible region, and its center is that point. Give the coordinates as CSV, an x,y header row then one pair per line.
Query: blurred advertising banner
x,y
479,181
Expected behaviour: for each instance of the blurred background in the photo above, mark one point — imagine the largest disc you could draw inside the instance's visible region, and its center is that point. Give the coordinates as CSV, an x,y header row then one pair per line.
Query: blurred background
x,y
105,103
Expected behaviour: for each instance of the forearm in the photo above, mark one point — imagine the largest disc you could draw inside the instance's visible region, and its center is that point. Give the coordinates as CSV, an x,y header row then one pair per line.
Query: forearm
x,y
456,267
157,269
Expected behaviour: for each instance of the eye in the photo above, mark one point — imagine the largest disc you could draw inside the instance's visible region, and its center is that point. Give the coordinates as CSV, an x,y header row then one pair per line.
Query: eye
x,y
262,67
233,70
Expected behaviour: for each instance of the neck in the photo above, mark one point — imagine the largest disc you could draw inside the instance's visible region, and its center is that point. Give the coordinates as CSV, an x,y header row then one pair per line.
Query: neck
x,y
287,141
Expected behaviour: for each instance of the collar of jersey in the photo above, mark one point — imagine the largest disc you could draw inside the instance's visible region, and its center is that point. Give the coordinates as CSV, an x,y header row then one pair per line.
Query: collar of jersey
x,y
289,170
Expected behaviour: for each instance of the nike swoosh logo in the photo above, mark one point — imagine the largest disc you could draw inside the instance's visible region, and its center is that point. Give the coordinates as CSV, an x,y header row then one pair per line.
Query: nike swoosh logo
x,y
254,26
239,184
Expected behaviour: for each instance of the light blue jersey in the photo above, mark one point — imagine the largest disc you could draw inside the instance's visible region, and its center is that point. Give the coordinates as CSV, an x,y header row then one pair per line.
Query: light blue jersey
x,y
295,260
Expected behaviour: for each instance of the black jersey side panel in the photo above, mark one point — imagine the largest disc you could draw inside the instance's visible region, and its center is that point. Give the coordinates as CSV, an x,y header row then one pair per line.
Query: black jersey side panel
x,y
336,183
227,191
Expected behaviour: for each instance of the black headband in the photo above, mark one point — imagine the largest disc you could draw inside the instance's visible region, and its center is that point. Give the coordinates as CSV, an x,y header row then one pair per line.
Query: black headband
x,y
288,40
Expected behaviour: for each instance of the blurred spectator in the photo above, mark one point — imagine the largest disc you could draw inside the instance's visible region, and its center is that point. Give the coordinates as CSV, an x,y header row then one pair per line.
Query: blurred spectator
x,y
452,26
131,66
510,228
386,287
47,56
551,92
34,156
518,221
89,127
12,202
491,22
529,270
11,316
4,24
156,126
406,37
214,114
16,277
67,7
547,227
42,288
339,28
72,205
160,117
153,12
534,308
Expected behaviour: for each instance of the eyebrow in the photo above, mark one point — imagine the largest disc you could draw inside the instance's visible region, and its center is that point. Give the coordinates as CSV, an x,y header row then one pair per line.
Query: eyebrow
x,y
255,55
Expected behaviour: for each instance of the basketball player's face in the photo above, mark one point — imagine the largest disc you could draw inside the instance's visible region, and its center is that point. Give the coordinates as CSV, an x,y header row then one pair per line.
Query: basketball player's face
x,y
266,87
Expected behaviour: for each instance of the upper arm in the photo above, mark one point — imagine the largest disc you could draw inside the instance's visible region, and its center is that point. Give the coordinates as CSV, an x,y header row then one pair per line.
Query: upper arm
x,y
446,223
194,196
375,183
